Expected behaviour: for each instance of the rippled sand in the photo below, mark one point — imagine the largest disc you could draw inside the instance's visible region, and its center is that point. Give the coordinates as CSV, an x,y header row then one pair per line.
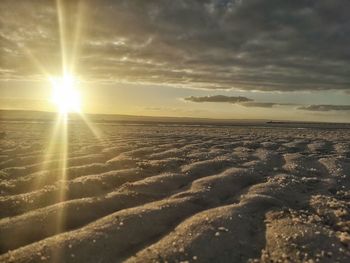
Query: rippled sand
x,y
174,193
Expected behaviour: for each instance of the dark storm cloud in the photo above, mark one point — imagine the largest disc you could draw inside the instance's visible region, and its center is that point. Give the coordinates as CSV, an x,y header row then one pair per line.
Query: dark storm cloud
x,y
218,98
325,108
243,44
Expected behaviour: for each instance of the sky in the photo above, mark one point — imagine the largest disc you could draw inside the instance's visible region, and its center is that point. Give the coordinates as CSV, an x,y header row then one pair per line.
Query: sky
x,y
239,59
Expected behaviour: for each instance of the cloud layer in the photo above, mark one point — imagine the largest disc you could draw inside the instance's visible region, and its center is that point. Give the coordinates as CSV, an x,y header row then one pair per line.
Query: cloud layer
x,y
262,104
242,44
247,102
325,108
218,98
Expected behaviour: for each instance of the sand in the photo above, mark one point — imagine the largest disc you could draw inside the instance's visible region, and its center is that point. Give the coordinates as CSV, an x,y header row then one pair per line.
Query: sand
x,y
174,193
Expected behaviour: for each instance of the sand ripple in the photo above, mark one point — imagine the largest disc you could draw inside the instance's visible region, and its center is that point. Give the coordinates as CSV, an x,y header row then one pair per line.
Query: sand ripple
x,y
198,194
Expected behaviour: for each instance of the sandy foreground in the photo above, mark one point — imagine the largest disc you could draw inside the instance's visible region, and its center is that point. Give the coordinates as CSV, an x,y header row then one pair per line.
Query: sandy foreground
x,y
170,193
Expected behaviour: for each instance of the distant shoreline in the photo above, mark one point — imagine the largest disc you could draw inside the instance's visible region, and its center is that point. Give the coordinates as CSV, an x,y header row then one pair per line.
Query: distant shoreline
x,y
22,116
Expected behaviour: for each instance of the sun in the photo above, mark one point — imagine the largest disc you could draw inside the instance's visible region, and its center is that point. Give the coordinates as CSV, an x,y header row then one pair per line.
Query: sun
x,y
65,94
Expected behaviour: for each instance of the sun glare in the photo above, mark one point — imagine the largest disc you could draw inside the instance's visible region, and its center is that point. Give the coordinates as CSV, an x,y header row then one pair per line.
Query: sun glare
x,y
65,94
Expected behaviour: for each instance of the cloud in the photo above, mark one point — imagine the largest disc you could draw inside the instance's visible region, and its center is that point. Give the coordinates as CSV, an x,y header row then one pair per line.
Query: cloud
x,y
218,98
263,104
325,108
247,102
242,44
244,101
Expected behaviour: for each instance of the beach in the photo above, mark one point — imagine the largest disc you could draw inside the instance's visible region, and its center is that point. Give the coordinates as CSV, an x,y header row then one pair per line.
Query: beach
x,y
163,192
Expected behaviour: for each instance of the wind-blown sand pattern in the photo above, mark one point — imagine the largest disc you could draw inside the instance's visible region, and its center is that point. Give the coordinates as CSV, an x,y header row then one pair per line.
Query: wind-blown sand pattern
x,y
172,193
